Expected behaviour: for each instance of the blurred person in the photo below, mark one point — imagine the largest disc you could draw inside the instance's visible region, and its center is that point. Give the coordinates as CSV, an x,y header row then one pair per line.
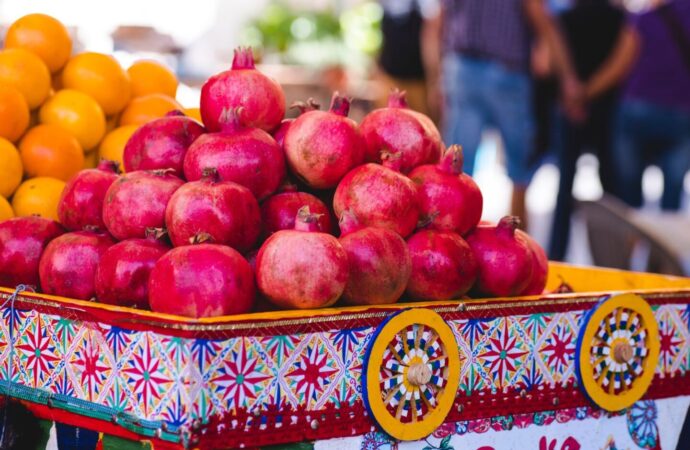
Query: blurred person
x,y
653,124
598,40
486,81
400,59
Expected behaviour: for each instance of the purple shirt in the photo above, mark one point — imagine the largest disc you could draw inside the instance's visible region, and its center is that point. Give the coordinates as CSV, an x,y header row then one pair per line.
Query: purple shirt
x,y
492,29
660,74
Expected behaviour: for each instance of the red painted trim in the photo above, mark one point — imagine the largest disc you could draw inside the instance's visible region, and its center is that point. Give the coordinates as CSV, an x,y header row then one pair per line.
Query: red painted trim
x,y
101,426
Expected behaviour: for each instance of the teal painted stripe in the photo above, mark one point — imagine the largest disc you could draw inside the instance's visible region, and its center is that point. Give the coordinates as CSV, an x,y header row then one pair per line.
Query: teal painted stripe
x,y
128,421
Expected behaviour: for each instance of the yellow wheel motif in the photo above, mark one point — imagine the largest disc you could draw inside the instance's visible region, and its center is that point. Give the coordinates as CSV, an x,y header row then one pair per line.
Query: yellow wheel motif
x,y
412,374
618,352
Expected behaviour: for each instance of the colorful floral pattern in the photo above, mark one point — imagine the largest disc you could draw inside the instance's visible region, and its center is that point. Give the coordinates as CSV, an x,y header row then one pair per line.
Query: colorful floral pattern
x,y
642,426
163,378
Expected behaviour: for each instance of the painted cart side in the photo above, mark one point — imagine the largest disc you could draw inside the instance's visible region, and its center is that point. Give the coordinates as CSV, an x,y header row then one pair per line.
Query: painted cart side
x,y
299,376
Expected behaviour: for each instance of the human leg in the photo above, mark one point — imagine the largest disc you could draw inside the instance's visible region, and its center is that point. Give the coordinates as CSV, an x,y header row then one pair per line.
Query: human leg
x,y
464,115
627,154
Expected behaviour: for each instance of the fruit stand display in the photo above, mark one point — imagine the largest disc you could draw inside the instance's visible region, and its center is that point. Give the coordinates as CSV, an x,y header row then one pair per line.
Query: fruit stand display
x,y
253,280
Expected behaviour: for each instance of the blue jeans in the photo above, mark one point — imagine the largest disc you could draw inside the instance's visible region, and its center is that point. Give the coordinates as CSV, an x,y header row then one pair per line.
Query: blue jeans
x,y
482,93
651,134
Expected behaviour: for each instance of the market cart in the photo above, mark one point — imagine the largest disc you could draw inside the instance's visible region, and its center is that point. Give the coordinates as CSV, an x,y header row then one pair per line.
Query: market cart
x,y
604,366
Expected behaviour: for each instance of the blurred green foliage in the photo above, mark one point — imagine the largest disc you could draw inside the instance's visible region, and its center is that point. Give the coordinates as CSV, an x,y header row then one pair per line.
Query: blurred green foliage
x,y
316,37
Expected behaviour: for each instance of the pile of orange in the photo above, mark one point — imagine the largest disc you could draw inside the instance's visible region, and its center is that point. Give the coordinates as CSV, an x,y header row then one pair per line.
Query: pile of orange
x,y
60,113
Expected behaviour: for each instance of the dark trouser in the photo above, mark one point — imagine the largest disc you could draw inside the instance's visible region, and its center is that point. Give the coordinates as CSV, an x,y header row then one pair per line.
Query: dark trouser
x,y
647,133
593,134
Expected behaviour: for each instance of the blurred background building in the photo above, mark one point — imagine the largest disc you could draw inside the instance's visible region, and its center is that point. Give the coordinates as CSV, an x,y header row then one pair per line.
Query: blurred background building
x,y
364,47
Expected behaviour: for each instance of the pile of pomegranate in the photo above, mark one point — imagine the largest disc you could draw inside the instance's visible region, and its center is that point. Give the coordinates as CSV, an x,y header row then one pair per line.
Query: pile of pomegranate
x,y
251,211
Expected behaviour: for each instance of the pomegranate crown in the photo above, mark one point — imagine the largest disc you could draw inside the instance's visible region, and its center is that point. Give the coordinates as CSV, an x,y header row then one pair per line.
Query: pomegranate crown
x,y
397,99
108,165
243,59
306,220
340,104
174,113
210,174
507,225
309,105
201,238
453,159
156,234
348,223
230,119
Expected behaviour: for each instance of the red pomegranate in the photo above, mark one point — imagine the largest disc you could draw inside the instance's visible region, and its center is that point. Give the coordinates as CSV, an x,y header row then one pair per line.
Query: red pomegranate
x,y
247,156
379,264
280,132
322,146
505,259
68,264
540,266
400,138
202,280
302,268
261,97
137,201
162,143
278,212
22,240
379,197
227,212
81,202
449,199
122,276
443,266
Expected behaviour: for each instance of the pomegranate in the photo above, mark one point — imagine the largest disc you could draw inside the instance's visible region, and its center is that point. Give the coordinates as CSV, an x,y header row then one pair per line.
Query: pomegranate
x,y
449,199
122,276
202,280
224,210
379,197
247,156
443,266
379,264
162,143
302,268
540,266
400,138
505,259
68,264
81,202
137,201
281,131
22,240
322,146
243,85
279,211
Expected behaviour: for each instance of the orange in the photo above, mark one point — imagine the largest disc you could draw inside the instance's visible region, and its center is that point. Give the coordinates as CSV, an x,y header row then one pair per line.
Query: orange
x,y
42,35
27,73
10,168
5,209
14,113
144,109
100,76
38,196
113,144
152,77
91,159
194,113
50,151
77,113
